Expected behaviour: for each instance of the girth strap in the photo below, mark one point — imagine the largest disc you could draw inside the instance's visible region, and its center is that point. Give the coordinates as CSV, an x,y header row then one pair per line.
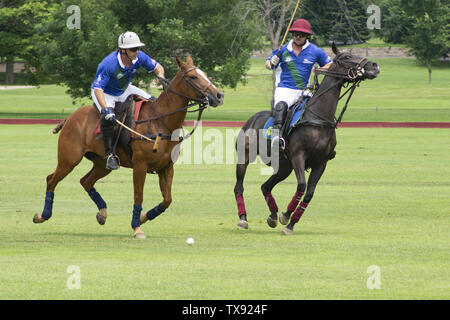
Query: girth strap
x,y
315,122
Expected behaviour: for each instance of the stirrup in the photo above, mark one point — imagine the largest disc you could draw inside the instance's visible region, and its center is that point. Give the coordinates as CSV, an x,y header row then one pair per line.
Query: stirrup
x,y
283,143
112,162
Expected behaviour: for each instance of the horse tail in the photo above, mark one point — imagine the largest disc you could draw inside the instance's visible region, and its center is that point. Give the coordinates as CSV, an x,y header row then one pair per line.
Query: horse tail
x,y
59,127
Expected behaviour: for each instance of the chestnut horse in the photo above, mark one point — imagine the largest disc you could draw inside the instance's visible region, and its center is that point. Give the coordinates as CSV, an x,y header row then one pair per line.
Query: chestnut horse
x,y
309,145
161,118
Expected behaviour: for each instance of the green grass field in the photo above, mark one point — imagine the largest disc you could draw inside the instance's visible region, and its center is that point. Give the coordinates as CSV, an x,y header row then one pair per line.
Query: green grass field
x,y
400,93
383,201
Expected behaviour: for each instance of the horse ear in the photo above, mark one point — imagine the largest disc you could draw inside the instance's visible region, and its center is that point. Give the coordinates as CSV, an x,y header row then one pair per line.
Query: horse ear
x,y
189,60
180,63
335,49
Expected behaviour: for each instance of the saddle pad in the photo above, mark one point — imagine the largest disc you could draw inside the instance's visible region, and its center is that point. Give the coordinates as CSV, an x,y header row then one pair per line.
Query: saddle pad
x,y
137,109
298,112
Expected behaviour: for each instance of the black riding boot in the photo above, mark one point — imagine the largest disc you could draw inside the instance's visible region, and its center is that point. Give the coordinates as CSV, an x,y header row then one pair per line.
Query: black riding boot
x,y
280,111
107,128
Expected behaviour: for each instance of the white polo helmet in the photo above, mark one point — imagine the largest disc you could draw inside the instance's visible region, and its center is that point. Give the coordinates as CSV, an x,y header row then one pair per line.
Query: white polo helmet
x,y
129,40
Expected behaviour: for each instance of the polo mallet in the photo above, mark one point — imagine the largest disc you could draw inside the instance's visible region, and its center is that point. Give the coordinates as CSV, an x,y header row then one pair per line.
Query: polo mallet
x,y
289,26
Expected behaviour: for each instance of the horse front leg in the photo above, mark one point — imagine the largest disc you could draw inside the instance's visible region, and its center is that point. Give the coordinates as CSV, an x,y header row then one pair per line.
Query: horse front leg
x,y
139,174
97,172
314,177
165,184
284,171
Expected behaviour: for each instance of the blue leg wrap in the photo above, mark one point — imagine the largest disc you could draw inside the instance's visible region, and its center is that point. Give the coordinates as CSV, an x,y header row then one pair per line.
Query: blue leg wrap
x,y
136,220
156,211
97,198
47,213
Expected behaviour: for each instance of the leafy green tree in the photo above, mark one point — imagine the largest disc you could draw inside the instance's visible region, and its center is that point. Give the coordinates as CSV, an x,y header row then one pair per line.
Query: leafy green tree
x,y
219,41
397,26
71,56
272,17
429,39
421,25
17,37
342,21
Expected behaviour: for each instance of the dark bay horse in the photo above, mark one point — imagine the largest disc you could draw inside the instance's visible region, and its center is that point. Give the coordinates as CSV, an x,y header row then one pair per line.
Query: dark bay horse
x,y
309,145
77,140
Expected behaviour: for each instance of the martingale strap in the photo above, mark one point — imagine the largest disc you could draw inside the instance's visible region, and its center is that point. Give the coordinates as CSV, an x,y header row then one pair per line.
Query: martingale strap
x,y
169,136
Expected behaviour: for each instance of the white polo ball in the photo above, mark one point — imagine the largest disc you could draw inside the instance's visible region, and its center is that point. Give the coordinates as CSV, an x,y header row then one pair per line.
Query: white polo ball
x,y
190,241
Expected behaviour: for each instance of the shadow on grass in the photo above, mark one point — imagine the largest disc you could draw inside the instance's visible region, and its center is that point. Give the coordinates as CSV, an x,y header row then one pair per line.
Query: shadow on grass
x,y
276,231
87,235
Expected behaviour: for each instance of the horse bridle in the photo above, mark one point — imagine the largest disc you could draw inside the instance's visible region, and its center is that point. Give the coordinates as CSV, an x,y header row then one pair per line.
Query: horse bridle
x,y
200,90
351,76
353,72
202,102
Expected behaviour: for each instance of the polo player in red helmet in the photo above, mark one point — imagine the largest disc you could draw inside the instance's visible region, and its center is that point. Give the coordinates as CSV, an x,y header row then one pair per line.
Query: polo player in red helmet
x,y
293,65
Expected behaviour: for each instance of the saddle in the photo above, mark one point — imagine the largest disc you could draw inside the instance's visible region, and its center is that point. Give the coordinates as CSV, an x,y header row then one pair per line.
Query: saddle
x,y
293,115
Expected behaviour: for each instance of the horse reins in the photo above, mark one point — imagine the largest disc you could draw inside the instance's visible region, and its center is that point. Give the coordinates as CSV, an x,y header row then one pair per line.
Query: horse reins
x,y
203,103
350,76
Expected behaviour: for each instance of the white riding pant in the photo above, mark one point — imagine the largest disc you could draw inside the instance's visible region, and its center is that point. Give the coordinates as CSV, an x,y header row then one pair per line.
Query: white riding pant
x,y
111,100
290,96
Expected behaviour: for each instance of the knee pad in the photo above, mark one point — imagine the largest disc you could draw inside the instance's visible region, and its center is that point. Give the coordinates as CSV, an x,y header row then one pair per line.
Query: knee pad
x,y
280,106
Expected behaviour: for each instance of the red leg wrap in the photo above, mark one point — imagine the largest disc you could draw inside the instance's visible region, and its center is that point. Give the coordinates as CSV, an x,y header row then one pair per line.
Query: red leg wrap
x,y
271,202
240,204
294,202
299,212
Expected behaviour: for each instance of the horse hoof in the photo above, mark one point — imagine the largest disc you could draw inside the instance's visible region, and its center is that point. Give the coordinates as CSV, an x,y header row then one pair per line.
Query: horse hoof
x,y
243,224
101,216
283,219
139,235
272,222
287,231
38,219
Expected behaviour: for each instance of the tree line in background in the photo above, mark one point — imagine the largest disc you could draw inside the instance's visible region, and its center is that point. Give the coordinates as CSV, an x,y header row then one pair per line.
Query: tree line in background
x,y
219,34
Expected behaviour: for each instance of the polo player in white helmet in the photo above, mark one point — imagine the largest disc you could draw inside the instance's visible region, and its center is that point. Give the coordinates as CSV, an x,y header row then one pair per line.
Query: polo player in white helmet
x,y
112,84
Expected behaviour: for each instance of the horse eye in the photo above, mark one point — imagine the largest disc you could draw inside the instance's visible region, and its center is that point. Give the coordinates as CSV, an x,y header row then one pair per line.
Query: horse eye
x,y
194,77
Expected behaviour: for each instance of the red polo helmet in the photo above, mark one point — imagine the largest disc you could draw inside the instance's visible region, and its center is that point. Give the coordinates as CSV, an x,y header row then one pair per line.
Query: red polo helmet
x,y
301,25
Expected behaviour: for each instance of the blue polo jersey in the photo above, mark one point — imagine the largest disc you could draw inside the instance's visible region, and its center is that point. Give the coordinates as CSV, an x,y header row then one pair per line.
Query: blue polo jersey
x,y
113,77
294,71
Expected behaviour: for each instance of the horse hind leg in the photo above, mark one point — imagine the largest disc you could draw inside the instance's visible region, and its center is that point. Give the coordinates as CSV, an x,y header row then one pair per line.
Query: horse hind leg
x,y
244,157
239,195
97,172
64,167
